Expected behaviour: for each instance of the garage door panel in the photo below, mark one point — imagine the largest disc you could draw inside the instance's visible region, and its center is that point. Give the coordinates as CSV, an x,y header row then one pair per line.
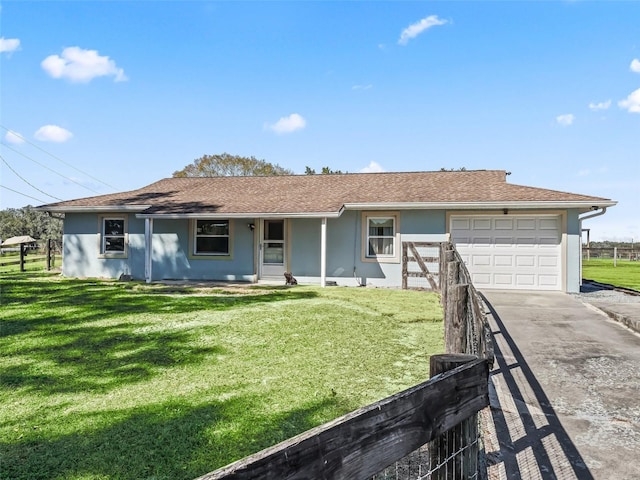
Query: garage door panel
x,y
481,224
549,224
503,280
503,260
548,261
525,261
481,280
549,281
481,260
503,224
514,252
525,242
460,224
502,242
526,280
525,224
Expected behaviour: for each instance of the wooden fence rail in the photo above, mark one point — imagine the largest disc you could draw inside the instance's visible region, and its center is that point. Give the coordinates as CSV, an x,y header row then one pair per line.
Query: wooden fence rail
x,y
364,442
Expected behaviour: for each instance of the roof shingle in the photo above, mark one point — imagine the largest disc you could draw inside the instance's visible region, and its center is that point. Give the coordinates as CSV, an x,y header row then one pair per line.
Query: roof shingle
x,y
314,194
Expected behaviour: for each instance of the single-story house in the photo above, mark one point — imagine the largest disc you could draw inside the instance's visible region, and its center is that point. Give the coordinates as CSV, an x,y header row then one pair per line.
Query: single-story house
x,y
344,228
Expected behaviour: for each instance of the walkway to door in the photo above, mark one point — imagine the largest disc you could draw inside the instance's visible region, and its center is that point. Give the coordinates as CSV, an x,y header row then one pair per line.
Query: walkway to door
x,y
564,391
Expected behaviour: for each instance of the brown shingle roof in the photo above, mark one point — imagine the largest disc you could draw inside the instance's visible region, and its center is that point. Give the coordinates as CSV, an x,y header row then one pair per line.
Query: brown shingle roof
x,y
314,194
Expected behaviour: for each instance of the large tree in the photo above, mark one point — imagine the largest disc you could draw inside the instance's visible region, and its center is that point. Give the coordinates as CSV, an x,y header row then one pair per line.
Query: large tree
x,y
15,222
226,165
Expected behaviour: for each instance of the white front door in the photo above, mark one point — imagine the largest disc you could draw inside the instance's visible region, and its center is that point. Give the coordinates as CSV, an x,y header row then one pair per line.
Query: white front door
x,y
510,251
273,251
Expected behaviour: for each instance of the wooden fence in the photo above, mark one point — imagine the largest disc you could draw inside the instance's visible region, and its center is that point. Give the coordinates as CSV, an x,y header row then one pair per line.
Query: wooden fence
x,y
438,417
622,253
364,442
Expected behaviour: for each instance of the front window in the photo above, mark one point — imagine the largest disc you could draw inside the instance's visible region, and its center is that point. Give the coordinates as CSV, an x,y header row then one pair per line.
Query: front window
x,y
211,237
113,236
381,232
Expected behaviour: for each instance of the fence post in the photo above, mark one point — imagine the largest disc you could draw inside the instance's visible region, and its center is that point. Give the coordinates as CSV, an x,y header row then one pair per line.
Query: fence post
x,y
48,254
22,254
454,455
455,325
405,266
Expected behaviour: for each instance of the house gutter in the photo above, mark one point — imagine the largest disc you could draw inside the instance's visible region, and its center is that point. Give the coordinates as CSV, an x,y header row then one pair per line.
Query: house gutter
x,y
205,214
518,205
93,209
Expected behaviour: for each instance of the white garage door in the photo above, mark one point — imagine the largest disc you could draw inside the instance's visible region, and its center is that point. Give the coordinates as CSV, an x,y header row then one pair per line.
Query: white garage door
x,y
510,252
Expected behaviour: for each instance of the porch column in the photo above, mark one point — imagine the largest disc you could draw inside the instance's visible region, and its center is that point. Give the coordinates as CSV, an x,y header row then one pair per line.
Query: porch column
x,y
323,252
148,247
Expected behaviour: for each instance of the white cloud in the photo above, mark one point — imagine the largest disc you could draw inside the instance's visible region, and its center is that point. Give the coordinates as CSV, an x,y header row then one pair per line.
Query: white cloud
x,y
9,45
584,173
52,133
635,65
600,106
288,124
566,119
632,102
13,137
412,31
80,65
362,87
373,167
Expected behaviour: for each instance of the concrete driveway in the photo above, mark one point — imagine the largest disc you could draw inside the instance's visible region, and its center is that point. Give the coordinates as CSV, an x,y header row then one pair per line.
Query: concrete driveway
x,y
565,391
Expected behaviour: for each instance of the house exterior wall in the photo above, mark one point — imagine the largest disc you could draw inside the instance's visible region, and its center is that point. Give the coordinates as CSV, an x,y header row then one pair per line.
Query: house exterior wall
x,y
573,260
346,262
171,258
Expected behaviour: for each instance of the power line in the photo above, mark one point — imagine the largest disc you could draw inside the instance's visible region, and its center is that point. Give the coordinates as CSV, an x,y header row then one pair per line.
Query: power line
x,y
25,181
58,158
23,194
50,169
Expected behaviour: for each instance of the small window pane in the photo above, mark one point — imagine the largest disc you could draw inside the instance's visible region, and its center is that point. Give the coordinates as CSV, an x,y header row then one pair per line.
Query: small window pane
x,y
381,227
274,230
273,253
114,244
380,246
114,226
212,227
213,245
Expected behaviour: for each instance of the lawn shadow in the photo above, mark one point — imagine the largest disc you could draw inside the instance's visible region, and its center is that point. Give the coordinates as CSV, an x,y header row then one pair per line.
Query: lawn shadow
x,y
87,300
73,327
167,441
531,441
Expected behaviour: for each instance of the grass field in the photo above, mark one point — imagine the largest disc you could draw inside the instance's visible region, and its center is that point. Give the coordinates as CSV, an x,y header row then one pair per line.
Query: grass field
x,y
625,274
107,380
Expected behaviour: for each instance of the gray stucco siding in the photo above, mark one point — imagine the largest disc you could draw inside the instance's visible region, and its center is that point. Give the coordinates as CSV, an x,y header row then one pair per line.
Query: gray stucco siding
x,y
170,257
345,263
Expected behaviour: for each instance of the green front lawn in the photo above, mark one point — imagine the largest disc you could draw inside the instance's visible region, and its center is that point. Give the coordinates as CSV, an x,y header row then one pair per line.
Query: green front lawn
x,y
106,380
625,274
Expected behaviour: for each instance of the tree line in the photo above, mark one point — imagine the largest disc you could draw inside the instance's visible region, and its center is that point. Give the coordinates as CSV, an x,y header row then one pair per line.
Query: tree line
x,y
16,222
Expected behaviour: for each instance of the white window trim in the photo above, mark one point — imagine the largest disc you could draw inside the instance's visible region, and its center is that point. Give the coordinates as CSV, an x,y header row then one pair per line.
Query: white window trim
x,y
395,258
103,253
193,237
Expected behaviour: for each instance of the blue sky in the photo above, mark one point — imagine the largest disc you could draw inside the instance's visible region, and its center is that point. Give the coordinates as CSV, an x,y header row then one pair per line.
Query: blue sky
x,y
96,95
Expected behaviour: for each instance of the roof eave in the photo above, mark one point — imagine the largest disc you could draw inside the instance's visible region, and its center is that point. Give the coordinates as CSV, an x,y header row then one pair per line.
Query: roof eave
x,y
93,209
178,216
585,205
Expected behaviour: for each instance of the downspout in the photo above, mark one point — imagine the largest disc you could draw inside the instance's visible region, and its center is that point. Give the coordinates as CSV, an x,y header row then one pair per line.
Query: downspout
x,y
602,211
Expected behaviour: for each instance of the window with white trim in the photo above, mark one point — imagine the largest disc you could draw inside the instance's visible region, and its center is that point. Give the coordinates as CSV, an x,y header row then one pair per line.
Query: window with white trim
x,y
113,240
211,237
381,237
